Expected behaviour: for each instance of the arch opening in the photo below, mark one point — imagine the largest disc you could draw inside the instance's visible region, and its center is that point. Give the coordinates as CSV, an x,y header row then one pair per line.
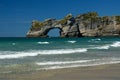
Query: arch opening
x,y
54,32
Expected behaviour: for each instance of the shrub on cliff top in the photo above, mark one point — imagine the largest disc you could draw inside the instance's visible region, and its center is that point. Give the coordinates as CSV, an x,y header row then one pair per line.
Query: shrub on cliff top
x,y
38,25
64,21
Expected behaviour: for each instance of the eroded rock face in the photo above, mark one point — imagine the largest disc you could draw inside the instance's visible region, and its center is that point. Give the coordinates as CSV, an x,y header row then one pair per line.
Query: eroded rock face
x,y
88,24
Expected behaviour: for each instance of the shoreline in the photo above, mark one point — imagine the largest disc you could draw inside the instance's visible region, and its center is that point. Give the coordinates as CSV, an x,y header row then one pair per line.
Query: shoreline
x,y
98,72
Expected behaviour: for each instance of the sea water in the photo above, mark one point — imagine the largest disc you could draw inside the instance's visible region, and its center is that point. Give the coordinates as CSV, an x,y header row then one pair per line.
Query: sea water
x,y
32,54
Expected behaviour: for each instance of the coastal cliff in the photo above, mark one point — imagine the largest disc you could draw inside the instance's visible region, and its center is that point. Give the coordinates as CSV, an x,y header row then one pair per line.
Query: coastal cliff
x,y
83,25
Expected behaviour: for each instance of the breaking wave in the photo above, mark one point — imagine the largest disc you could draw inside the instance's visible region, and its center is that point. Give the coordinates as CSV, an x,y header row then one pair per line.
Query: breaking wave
x,y
43,42
58,63
14,54
95,40
13,44
116,44
98,39
73,66
81,63
101,47
32,53
72,41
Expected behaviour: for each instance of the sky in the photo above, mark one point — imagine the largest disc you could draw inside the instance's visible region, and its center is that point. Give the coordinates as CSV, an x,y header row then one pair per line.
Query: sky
x,y
16,15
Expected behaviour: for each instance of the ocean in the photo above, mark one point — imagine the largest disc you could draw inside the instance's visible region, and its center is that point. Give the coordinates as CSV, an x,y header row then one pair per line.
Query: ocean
x,y
20,55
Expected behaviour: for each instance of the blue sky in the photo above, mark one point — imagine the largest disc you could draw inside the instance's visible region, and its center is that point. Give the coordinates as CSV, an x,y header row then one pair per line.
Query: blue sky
x,y
16,15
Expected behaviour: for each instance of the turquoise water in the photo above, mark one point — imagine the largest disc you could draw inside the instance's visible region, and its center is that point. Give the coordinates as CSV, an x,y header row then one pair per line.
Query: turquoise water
x,y
32,54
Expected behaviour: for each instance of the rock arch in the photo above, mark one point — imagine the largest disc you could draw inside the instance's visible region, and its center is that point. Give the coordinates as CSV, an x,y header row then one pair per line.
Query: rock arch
x,y
67,26
54,32
51,28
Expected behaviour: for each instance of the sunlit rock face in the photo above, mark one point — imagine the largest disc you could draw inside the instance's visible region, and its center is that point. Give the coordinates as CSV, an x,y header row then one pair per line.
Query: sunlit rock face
x,y
88,24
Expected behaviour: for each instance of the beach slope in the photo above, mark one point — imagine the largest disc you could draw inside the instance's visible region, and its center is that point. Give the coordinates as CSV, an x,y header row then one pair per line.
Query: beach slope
x,y
101,72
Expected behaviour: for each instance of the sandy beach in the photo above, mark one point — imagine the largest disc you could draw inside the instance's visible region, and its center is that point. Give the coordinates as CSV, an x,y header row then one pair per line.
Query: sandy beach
x,y
101,72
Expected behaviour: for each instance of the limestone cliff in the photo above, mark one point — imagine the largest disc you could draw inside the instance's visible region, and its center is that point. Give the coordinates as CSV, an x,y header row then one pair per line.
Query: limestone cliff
x,y
88,24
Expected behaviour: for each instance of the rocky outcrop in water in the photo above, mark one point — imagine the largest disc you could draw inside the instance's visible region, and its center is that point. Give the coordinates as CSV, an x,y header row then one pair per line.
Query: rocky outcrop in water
x,y
88,24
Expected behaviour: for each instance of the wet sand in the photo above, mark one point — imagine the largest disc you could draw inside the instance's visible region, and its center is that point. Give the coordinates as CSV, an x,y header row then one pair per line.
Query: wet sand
x,y
102,72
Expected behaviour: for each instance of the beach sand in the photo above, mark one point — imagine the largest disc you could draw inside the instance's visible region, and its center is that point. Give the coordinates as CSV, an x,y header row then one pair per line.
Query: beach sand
x,y
101,72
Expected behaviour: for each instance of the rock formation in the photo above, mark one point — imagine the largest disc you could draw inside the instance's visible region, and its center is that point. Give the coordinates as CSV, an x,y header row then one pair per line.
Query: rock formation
x,y
88,24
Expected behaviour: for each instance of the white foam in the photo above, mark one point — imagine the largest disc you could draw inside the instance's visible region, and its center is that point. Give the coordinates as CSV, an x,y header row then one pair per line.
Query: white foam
x,y
101,47
95,63
17,55
115,44
95,40
14,54
58,63
62,51
13,44
43,42
71,41
98,39
73,66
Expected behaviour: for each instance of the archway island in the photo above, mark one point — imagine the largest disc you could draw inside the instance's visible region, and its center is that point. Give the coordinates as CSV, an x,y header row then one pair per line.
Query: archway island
x,y
84,25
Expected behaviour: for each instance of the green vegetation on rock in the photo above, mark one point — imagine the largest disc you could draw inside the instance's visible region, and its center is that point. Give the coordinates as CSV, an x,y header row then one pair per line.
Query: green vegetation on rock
x,y
37,25
90,18
64,21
